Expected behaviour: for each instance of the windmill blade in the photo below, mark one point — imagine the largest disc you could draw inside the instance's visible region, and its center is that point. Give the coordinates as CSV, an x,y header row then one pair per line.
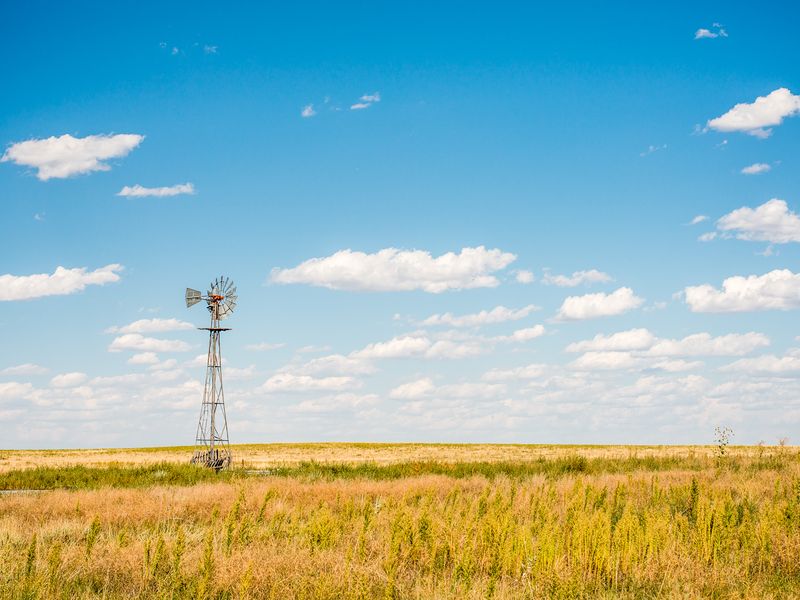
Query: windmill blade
x,y
192,297
231,292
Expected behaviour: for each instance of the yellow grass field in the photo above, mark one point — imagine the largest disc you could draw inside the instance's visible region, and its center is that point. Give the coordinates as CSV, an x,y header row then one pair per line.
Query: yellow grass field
x,y
403,521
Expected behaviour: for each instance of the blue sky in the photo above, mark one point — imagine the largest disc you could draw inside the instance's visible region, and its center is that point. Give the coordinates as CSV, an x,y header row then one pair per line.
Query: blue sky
x,y
532,172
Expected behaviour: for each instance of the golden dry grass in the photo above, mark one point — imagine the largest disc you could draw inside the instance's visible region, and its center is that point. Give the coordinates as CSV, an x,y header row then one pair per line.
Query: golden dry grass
x,y
263,456
725,529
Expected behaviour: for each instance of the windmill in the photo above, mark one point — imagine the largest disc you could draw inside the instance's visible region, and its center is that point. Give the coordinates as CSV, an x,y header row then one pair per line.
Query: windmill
x,y
211,442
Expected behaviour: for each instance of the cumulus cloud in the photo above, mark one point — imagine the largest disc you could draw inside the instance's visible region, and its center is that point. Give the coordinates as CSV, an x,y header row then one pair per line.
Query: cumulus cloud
x,y
144,358
413,389
632,339
425,388
65,156
590,306
499,314
152,326
391,269
291,382
24,369
532,371
334,364
397,347
698,219
452,349
61,282
776,290
308,111
135,341
65,380
522,335
641,343
768,364
758,117
771,222
716,31
524,277
605,361
577,278
756,168
704,344
13,390
160,192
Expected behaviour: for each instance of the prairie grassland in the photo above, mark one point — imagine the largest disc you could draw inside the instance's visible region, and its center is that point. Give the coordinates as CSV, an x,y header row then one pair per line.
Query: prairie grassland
x,y
563,525
264,456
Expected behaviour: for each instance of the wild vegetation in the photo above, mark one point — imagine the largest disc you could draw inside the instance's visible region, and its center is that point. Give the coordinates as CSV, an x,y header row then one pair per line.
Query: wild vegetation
x,y
575,524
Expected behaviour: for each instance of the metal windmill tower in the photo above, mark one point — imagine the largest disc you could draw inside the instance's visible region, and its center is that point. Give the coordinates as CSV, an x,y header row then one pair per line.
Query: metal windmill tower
x,y
211,443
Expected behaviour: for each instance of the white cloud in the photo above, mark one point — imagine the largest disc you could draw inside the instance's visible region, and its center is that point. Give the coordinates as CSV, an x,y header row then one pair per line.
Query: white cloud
x,y
152,326
391,269
770,222
171,364
677,365
24,369
59,157
209,49
642,343
718,32
65,380
13,390
698,219
532,371
451,349
135,341
366,101
236,373
703,344
333,364
413,390
140,191
605,361
756,118
522,335
61,282
577,278
756,168
263,346
523,276
601,304
776,290
708,236
144,358
499,314
397,347
289,382
632,339
425,388
308,111
767,364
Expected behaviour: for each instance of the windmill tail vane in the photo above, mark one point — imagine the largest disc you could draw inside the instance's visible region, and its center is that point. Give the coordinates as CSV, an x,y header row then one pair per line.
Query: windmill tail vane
x,y
212,449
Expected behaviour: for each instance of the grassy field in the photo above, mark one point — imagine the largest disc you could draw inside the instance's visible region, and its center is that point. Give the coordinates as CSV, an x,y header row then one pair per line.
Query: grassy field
x,y
403,521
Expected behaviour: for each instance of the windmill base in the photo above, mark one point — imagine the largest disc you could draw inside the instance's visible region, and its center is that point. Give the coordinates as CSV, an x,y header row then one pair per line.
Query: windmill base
x,y
213,459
